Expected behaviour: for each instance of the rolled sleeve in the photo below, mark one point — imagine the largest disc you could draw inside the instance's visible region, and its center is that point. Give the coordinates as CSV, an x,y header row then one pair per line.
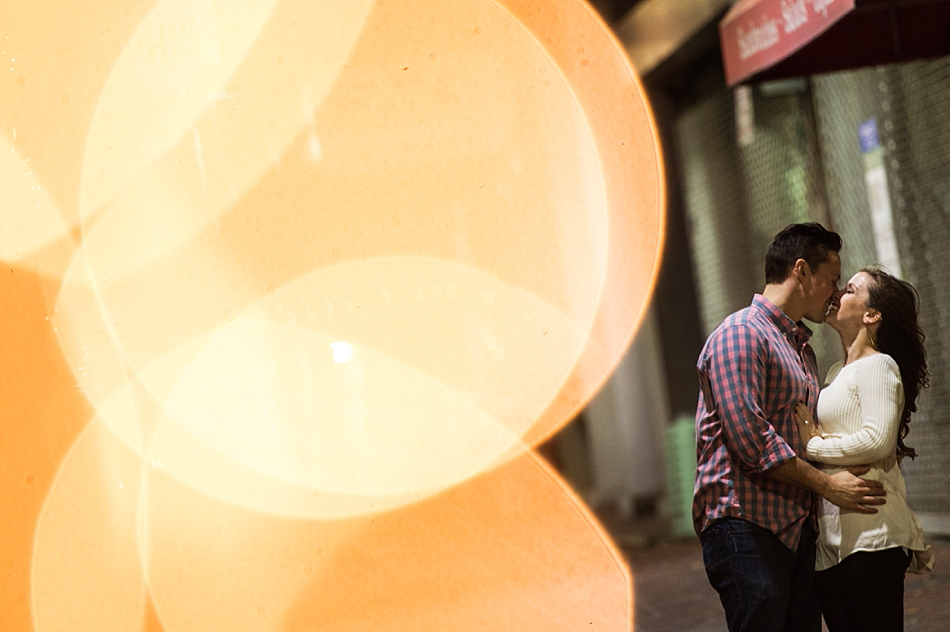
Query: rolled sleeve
x,y
777,452
736,378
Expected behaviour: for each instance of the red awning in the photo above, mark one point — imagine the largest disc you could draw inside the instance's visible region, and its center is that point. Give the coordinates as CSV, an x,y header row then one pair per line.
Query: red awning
x,y
774,39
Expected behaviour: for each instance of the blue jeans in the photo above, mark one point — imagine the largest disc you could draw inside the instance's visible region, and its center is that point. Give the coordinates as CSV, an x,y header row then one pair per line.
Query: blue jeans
x,y
763,585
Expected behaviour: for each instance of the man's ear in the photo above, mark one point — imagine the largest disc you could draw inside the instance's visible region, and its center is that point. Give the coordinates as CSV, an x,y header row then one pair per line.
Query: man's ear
x,y
801,269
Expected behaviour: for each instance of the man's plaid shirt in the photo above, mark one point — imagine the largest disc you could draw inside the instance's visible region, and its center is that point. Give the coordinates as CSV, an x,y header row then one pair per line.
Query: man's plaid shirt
x,y
755,367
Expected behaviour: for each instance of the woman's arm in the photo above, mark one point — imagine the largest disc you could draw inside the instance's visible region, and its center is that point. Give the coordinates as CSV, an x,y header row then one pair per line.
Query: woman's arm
x,y
881,400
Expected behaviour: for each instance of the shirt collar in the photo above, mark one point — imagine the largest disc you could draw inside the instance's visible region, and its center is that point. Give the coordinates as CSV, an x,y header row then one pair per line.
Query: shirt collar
x,y
797,333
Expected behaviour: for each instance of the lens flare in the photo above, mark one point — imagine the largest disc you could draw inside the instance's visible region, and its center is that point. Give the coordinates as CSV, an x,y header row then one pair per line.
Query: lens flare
x,y
290,291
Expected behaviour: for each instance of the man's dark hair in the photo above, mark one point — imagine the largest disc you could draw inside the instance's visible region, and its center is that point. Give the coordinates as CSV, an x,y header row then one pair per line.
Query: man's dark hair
x,y
811,242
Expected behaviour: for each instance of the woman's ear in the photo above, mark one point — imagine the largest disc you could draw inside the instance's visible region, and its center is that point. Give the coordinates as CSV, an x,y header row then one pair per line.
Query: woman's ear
x,y
871,317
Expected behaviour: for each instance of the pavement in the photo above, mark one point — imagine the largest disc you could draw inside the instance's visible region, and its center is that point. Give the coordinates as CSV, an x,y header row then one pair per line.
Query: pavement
x,y
671,592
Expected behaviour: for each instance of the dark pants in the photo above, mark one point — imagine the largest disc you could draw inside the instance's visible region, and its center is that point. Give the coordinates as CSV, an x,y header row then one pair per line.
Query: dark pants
x,y
762,584
864,592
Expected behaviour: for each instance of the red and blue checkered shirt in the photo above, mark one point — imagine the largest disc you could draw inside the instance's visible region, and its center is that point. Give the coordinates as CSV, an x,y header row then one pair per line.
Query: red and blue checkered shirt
x,y
755,367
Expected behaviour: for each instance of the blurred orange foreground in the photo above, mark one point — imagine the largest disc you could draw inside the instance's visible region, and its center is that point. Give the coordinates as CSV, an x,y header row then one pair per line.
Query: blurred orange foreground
x,y
289,291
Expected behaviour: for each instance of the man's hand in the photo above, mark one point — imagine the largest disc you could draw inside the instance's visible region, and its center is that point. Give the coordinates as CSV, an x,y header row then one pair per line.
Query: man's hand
x,y
847,490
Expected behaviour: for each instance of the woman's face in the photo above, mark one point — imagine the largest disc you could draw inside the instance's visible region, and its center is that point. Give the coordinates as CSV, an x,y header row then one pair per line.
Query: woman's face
x,y
852,304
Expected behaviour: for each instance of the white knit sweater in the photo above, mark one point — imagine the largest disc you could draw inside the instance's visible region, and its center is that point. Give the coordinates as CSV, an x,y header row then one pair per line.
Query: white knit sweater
x,y
859,412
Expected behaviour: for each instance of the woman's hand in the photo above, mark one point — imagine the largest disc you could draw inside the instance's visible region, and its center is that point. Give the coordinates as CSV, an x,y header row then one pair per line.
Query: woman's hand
x,y
807,426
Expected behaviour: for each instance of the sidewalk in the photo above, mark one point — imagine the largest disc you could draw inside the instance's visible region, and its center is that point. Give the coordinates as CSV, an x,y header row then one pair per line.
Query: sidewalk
x,y
671,591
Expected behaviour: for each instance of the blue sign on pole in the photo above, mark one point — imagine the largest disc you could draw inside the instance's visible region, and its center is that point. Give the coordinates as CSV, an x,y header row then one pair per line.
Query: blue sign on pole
x,y
867,133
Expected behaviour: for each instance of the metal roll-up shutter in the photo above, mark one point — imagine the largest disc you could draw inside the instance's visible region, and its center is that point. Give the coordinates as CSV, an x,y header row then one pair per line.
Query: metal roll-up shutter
x,y
738,196
908,104
842,101
784,180
714,201
916,137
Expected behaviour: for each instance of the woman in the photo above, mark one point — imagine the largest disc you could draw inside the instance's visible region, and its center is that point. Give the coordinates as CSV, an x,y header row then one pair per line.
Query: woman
x,y
864,412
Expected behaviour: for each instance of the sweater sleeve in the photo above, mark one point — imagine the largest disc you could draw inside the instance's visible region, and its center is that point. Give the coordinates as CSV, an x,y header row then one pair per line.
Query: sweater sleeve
x,y
881,401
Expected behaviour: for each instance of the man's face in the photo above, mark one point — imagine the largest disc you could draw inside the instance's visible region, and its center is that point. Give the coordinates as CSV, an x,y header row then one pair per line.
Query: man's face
x,y
820,287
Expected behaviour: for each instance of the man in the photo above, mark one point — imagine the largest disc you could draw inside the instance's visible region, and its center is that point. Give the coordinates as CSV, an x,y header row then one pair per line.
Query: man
x,y
753,502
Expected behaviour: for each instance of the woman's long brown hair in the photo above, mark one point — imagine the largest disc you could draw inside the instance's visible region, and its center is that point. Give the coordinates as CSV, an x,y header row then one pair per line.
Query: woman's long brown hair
x,y
900,336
